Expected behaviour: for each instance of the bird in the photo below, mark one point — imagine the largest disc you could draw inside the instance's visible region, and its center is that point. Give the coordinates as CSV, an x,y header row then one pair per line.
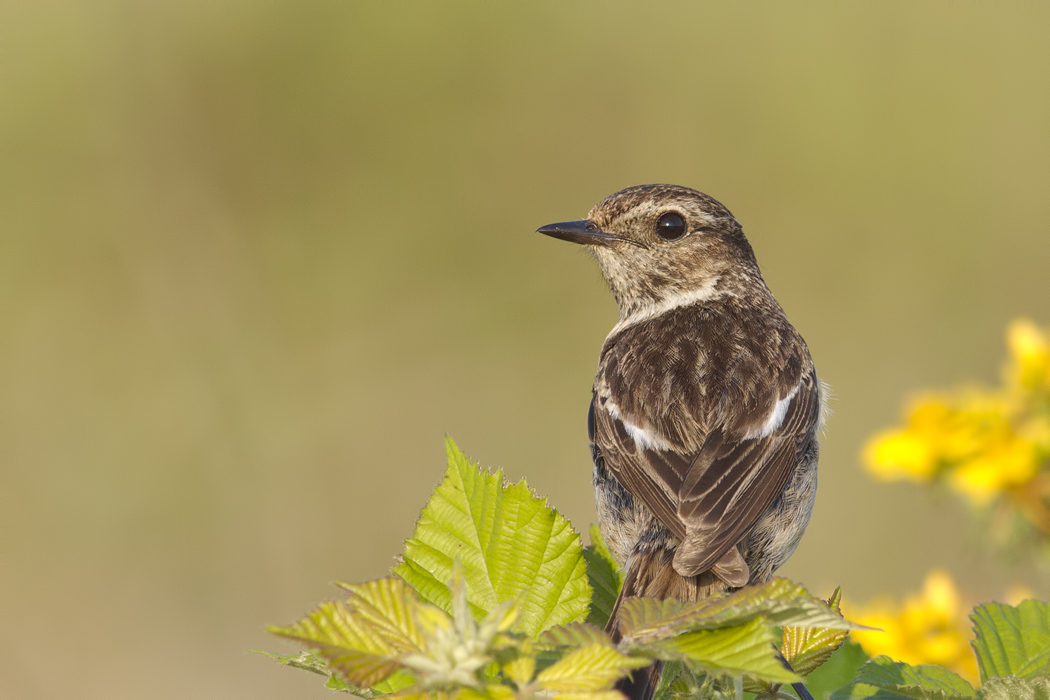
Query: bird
x,y
706,406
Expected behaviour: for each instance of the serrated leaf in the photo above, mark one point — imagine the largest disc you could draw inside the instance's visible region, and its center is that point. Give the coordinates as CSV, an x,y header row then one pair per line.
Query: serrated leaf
x,y
401,680
778,602
307,660
605,577
599,695
459,651
753,685
429,695
511,543
674,679
517,661
1016,689
361,638
1012,641
923,682
310,661
589,669
337,684
713,688
520,670
577,634
745,649
857,691
807,648
345,642
489,692
390,609
648,618
839,670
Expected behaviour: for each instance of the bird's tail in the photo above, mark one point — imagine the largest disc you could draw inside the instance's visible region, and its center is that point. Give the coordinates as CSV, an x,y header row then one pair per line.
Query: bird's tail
x,y
651,574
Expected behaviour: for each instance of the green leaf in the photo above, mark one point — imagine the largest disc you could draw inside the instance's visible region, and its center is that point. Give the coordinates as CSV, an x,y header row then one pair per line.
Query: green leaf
x,y
309,660
807,648
669,629
577,634
460,651
363,637
442,695
649,618
399,681
345,642
337,684
605,577
837,671
589,669
489,692
521,669
669,676
389,608
922,682
395,683
1016,689
778,602
676,681
1012,641
856,691
512,544
715,688
736,651
598,695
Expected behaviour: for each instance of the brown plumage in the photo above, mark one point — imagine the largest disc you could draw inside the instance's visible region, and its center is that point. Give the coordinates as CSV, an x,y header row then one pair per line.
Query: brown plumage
x,y
706,405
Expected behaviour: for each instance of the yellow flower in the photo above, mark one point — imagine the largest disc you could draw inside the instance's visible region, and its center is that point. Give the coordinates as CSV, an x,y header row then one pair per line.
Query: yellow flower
x,y
977,419
991,446
969,437
915,452
929,628
1010,463
900,454
1029,366
1036,430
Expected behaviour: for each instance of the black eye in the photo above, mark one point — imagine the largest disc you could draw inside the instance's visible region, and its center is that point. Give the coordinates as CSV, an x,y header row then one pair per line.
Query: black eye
x,y
670,226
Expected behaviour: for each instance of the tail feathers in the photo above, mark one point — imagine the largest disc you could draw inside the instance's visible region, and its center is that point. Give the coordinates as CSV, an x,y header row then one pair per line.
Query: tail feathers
x,y
651,574
732,569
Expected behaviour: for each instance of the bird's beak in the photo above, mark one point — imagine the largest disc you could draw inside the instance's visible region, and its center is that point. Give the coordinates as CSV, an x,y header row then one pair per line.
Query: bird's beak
x,y
585,232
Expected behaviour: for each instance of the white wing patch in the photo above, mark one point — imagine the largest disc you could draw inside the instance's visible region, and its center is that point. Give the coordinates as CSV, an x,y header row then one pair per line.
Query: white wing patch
x,y
643,439
776,416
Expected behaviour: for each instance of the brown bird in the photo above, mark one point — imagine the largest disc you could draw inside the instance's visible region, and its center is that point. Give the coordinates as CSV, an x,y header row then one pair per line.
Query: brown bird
x,y
706,406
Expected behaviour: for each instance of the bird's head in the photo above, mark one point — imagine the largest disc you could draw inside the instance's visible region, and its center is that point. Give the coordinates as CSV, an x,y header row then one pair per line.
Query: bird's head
x,y
661,245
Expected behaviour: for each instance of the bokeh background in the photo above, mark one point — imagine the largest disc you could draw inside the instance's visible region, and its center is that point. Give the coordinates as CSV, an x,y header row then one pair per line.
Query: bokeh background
x,y
257,258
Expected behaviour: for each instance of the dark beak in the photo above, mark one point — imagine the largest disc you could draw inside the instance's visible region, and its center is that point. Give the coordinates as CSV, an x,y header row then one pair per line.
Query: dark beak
x,y
584,232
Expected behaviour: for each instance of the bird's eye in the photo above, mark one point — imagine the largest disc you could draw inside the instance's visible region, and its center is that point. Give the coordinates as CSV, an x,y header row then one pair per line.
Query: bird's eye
x,y
670,226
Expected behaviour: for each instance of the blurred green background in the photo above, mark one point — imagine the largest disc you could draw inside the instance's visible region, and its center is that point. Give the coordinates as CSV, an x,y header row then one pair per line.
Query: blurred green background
x,y
257,258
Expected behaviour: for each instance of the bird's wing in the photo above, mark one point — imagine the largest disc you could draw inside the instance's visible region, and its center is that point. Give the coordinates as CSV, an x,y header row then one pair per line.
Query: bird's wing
x,y
737,475
650,475
711,496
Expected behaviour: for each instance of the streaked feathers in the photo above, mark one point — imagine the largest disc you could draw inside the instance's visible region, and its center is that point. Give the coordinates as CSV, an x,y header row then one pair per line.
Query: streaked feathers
x,y
705,407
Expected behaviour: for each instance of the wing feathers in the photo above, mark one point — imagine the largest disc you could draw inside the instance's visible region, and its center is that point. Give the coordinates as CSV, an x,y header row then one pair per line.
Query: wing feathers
x,y
711,497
